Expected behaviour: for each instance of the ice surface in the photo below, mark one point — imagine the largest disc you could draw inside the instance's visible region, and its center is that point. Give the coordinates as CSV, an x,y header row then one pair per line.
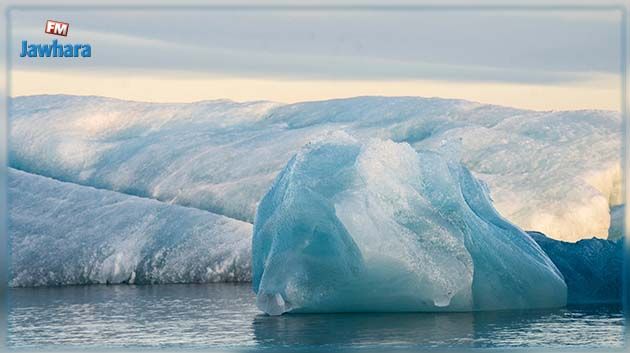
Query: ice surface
x,y
349,226
62,234
592,268
616,222
556,172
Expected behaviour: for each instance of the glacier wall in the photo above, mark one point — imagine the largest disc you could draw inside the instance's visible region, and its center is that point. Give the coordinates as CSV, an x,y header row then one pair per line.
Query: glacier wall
x,y
555,172
66,234
378,226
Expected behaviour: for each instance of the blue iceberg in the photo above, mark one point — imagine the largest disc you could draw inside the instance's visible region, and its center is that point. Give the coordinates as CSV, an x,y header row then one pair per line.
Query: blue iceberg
x,y
592,268
377,226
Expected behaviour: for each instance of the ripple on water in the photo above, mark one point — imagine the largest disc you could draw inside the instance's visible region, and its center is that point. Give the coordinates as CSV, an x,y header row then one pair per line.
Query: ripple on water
x,y
225,316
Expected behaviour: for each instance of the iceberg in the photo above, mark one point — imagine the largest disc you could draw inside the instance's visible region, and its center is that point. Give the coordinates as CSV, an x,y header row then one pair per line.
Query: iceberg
x,y
222,156
377,226
67,234
616,229
592,268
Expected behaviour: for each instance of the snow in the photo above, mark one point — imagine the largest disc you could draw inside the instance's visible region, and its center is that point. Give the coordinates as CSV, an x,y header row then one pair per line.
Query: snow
x,y
592,268
377,226
66,234
555,172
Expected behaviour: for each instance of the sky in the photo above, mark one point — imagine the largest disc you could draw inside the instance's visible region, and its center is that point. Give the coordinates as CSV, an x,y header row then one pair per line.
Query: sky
x,y
553,60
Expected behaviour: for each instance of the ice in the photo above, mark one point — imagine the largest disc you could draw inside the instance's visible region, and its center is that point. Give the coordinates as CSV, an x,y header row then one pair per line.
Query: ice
x,y
375,226
616,229
66,234
556,172
592,268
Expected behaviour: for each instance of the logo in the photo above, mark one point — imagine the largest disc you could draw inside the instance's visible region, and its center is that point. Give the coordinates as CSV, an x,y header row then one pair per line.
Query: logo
x,y
55,49
57,28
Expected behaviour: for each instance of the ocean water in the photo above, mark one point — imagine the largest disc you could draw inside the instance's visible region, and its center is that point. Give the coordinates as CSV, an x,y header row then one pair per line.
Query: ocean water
x,y
224,316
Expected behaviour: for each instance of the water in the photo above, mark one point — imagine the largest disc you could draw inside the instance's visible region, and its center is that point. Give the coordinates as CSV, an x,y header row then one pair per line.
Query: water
x,y
225,316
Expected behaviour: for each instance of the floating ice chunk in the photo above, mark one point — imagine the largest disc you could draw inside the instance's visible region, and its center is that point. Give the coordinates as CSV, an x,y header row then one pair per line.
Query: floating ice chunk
x,y
66,234
378,227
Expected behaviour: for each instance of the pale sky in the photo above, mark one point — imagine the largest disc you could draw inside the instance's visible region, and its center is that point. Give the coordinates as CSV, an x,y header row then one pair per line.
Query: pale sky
x,y
545,61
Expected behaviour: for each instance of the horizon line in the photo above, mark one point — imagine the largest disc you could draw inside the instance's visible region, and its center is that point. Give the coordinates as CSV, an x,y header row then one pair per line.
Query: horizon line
x,y
311,101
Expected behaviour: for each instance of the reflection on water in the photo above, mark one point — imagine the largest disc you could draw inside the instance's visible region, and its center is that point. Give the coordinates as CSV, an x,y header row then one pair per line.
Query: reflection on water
x,y
592,327
224,316
364,330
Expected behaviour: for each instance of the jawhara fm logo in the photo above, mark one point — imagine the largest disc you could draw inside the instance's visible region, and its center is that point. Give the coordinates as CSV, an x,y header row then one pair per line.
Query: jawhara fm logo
x,y
55,49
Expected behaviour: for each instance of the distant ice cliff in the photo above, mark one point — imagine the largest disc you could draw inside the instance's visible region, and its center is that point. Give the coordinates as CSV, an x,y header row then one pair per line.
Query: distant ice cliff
x,y
555,172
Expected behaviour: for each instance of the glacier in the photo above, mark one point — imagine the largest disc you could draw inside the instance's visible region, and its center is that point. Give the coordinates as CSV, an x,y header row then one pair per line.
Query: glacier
x,y
377,226
557,172
66,234
592,268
